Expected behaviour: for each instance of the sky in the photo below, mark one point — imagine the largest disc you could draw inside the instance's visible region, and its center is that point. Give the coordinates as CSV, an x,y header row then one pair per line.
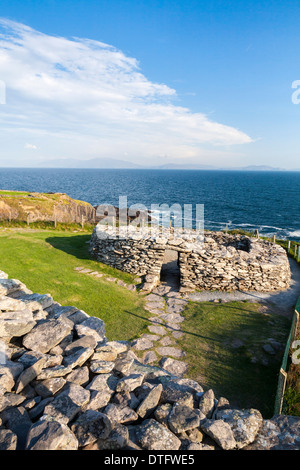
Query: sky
x,y
150,82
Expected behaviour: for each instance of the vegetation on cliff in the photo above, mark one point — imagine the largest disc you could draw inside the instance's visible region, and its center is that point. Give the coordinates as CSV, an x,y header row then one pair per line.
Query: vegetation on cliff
x,y
55,207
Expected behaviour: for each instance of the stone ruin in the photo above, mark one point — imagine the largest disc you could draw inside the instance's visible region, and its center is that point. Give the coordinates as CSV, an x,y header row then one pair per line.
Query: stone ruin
x,y
206,261
64,386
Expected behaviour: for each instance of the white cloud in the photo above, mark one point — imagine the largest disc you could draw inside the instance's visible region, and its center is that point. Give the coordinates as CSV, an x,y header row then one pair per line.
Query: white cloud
x,y
30,147
84,98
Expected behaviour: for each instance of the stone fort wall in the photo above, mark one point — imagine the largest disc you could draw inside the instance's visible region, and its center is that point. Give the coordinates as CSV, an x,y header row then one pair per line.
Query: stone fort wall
x,y
207,261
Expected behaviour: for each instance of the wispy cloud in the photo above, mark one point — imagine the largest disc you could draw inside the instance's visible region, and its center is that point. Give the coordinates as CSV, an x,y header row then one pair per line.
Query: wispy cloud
x,y
30,147
78,97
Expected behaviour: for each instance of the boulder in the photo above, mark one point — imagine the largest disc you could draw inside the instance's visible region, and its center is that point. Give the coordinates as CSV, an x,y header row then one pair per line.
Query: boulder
x,y
47,334
49,434
152,435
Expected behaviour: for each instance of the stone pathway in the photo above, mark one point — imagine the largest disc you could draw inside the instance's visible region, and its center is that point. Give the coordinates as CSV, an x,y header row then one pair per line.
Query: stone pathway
x,y
166,304
96,274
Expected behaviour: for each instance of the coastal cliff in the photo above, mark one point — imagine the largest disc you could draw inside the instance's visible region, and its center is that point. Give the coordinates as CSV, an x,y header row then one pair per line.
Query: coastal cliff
x,y
32,207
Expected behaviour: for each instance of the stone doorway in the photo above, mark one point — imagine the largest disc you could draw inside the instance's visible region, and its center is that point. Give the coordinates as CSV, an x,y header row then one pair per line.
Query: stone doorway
x,y
170,272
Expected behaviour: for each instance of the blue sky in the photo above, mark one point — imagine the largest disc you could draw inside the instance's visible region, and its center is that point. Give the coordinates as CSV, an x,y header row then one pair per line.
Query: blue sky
x,y
207,82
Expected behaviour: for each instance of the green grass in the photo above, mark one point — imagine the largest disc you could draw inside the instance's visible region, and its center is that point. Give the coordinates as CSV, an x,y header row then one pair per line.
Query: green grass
x,y
45,262
214,362
13,193
46,225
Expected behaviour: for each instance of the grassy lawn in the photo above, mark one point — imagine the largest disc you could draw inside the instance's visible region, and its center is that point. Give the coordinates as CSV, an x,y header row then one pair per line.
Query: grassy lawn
x,y
224,345
45,262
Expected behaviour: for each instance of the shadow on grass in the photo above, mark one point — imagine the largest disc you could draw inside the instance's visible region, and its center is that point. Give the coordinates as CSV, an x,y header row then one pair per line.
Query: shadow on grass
x,y
75,245
169,328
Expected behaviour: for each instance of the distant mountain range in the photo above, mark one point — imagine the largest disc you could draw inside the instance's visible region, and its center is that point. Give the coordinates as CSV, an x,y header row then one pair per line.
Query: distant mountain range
x,y
110,163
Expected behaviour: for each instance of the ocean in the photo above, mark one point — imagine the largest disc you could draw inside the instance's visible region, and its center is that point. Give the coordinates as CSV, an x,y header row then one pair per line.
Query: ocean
x,y
267,201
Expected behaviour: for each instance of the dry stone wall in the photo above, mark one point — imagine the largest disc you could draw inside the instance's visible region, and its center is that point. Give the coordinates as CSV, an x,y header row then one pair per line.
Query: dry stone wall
x,y
64,386
213,261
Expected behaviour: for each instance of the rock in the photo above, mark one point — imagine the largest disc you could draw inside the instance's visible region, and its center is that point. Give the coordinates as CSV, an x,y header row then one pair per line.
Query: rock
x,y
162,413
101,367
220,432
126,399
91,426
150,402
92,326
78,358
52,372
79,344
37,302
48,388
105,353
16,323
67,404
9,372
192,435
18,421
103,382
130,383
124,362
38,410
158,330
177,393
8,440
79,376
49,434
173,366
99,399
245,424
29,374
152,435
10,399
142,344
9,286
120,414
223,404
149,357
47,334
169,351
166,341
207,403
279,433
182,418
117,439
198,446
60,348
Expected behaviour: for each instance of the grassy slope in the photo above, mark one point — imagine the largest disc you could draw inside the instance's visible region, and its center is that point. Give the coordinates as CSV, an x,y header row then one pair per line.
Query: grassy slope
x,y
45,262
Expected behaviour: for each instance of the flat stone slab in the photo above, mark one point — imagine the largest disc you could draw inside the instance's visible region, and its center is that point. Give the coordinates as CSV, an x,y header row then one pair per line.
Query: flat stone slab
x,y
45,336
170,351
172,318
16,323
101,367
173,366
92,326
158,330
154,298
142,344
149,357
166,341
